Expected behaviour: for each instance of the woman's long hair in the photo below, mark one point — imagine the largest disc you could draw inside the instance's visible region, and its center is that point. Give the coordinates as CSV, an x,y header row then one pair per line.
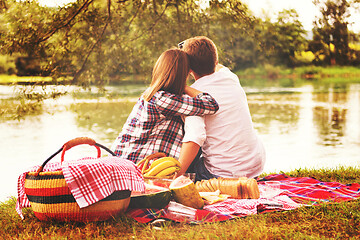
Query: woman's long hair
x,y
169,73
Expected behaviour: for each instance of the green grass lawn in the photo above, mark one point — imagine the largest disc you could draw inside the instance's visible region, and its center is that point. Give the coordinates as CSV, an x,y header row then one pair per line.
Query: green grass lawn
x,y
325,221
330,74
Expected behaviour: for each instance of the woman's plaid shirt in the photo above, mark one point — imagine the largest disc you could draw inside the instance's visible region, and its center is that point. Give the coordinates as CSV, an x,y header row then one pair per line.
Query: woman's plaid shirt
x,y
156,126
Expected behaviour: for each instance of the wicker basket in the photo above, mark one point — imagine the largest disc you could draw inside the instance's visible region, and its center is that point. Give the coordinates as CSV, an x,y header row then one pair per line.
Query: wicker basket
x,y
51,199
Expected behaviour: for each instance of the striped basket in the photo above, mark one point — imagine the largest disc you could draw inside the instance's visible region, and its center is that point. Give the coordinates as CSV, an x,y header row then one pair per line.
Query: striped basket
x,y
51,199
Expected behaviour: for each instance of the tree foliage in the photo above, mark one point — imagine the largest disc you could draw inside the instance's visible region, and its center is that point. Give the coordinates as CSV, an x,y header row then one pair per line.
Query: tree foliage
x,y
331,34
98,41
282,39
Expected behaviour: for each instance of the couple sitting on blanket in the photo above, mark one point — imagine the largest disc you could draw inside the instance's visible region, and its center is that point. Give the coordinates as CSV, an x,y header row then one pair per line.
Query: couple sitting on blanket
x,y
207,126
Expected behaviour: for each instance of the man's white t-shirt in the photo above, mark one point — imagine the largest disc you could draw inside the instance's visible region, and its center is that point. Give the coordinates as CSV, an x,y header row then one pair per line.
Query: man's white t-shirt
x,y
230,145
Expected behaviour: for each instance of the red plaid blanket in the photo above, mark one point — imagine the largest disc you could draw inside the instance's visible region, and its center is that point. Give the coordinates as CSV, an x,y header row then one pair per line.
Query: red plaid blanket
x,y
295,191
90,179
307,190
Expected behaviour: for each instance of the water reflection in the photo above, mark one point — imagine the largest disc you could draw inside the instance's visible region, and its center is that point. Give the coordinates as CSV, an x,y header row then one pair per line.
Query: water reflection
x,y
275,109
330,125
318,127
338,111
105,119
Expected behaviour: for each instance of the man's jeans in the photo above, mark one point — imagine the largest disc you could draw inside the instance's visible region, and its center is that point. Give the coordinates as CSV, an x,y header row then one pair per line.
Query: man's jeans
x,y
197,166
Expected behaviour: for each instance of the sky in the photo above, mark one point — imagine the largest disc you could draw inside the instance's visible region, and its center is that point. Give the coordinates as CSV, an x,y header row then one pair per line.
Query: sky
x,y
305,8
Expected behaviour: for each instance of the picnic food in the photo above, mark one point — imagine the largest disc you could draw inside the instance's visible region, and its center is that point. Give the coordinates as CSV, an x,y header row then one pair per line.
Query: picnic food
x,y
163,166
213,197
184,192
160,182
153,197
144,163
159,165
235,187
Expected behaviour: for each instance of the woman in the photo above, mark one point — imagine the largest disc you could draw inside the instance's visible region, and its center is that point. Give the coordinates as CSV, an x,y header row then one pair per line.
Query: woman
x,y
155,123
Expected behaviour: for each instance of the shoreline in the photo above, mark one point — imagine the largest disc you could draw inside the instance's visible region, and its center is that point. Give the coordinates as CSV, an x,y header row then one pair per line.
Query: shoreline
x,y
270,74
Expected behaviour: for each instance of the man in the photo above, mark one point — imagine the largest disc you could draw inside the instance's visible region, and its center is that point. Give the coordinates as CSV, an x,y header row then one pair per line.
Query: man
x,y
229,144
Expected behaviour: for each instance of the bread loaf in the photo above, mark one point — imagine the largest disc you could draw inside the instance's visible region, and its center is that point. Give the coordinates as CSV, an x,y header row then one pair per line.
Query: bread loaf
x,y
235,187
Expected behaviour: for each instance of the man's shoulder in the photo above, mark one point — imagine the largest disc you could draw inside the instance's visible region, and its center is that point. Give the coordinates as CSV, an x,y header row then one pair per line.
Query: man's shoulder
x,y
226,71
223,74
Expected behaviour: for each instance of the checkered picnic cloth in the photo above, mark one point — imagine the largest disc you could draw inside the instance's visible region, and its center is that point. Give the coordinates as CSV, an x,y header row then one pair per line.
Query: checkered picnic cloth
x,y
90,179
147,215
222,211
250,206
310,191
296,191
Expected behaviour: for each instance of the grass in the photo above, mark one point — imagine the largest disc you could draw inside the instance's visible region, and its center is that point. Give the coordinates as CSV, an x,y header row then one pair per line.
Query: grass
x,y
325,221
269,75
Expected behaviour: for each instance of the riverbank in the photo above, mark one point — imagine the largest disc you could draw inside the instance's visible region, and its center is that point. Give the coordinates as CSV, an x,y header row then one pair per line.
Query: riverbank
x,y
39,80
304,72
24,80
270,76
268,73
337,220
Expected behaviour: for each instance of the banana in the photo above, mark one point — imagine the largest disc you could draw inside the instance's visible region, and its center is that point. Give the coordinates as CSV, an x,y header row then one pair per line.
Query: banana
x,y
163,165
156,155
144,162
168,171
140,162
171,159
145,165
162,159
155,163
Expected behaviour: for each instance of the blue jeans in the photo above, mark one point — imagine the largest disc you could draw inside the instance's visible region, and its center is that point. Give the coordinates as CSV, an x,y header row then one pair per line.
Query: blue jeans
x,y
197,166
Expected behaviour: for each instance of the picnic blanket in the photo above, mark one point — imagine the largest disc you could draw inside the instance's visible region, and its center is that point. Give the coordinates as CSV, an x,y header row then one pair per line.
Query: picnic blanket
x,y
84,181
310,191
294,192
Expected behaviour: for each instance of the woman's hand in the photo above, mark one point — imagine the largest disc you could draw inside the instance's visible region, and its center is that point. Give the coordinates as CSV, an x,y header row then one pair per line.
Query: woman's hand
x,y
192,92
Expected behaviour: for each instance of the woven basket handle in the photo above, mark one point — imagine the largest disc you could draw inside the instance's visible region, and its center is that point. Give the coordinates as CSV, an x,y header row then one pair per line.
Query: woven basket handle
x,y
72,143
78,141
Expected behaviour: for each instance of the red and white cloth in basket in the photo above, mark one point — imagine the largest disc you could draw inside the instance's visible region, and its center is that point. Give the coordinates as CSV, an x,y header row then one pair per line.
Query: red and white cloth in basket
x,y
90,179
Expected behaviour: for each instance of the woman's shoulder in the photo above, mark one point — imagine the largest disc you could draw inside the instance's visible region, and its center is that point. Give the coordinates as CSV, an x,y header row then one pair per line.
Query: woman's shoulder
x,y
164,99
163,94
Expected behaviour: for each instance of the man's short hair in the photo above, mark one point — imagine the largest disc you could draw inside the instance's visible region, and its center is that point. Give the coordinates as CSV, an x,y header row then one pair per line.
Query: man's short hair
x,y
202,53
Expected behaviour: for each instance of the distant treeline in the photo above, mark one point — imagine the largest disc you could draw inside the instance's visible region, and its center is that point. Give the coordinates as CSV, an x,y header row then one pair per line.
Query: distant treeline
x,y
96,41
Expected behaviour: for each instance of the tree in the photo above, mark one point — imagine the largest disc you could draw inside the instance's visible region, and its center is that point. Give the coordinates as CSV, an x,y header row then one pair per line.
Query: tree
x,y
40,32
231,27
96,41
331,34
282,39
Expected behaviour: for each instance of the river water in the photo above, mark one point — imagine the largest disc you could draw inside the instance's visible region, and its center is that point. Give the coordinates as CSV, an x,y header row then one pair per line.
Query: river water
x,y
312,126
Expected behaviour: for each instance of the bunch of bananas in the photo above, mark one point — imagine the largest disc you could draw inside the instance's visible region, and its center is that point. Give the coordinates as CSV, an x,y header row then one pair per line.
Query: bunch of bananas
x,y
161,166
